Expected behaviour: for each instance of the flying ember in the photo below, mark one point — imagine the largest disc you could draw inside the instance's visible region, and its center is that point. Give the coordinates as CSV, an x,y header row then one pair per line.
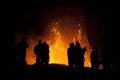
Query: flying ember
x,y
58,36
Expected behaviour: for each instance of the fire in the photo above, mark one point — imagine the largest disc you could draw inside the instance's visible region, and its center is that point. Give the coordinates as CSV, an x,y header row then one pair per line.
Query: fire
x,y
59,39
58,49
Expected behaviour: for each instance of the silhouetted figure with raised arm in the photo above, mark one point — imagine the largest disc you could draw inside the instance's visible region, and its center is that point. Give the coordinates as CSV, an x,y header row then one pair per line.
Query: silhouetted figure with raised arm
x,y
45,54
94,58
38,51
71,55
21,50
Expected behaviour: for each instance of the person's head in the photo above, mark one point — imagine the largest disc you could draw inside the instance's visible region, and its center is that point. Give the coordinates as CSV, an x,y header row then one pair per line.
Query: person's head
x,y
39,41
71,44
77,44
45,43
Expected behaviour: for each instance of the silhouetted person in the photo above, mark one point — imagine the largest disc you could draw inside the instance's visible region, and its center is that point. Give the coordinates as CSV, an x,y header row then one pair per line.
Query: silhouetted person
x,y
45,53
38,51
21,50
79,55
94,58
71,55
12,58
105,58
82,57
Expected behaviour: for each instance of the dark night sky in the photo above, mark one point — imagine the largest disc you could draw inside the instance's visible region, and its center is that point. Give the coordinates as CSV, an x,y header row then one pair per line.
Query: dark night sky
x,y
22,16
20,12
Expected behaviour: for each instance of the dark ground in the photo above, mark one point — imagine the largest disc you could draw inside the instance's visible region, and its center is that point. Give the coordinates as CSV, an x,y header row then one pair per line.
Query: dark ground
x,y
61,72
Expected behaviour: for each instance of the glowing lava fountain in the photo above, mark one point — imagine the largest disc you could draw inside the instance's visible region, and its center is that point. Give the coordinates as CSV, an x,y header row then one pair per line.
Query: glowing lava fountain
x,y
59,36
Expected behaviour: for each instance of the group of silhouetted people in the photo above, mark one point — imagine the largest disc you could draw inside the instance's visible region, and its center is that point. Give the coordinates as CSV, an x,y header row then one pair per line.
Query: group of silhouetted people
x,y
41,50
103,58
75,55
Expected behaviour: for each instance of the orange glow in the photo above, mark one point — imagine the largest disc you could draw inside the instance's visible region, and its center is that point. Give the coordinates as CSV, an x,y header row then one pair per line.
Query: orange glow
x,y
59,39
58,49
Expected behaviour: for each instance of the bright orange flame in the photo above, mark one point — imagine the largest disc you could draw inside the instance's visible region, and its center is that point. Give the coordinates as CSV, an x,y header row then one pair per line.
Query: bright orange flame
x,y
59,45
59,35
58,49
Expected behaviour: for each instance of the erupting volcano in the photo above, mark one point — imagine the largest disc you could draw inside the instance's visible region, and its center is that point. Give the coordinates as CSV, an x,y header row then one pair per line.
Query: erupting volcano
x,y
59,34
61,24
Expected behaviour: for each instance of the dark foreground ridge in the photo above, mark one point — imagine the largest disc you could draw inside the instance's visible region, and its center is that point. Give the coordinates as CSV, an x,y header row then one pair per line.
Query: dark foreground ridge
x,y
60,72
